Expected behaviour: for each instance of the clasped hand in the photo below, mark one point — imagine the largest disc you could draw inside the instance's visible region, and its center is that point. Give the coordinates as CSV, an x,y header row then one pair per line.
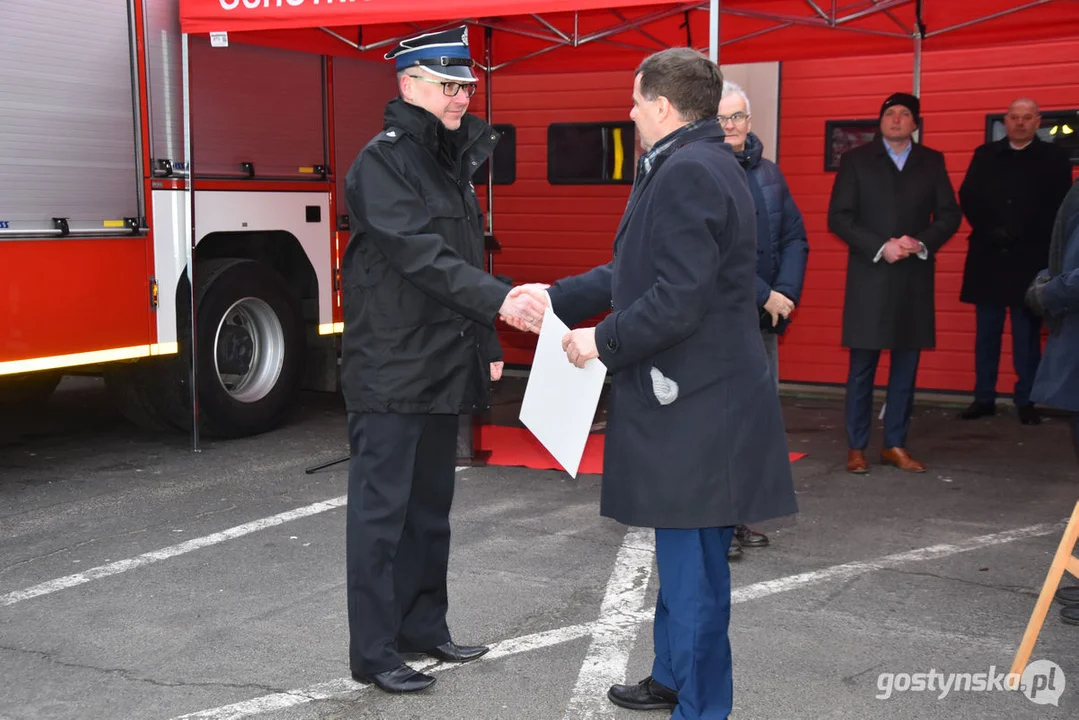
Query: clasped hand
x,y
523,309
901,247
524,306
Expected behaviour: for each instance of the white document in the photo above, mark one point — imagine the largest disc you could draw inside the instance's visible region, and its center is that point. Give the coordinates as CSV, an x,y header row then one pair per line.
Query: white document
x,y
560,399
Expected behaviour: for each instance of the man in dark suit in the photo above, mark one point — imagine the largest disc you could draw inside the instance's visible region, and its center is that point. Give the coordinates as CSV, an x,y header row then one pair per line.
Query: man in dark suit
x,y
1010,196
695,441
893,204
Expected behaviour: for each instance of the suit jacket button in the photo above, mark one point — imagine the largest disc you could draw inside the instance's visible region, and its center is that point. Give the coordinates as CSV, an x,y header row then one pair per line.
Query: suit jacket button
x,y
611,344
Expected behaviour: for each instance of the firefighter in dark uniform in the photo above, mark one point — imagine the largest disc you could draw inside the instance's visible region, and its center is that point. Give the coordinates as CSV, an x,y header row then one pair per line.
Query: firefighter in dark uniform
x,y
419,349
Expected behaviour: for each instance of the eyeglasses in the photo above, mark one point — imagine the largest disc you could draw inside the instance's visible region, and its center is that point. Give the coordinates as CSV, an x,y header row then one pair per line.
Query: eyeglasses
x,y
739,118
450,89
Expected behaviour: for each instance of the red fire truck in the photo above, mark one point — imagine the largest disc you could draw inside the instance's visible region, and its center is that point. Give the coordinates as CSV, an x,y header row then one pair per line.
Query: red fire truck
x,y
94,217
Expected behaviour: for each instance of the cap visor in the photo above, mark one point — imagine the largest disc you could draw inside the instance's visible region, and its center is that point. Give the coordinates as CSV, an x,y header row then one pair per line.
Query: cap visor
x,y
452,72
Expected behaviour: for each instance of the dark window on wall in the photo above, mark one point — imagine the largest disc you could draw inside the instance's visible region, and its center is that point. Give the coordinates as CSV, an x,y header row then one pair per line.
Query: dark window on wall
x,y
505,157
1060,127
590,153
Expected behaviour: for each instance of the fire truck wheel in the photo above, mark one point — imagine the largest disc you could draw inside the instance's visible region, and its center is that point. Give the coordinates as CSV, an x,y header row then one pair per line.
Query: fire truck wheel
x,y
251,348
19,390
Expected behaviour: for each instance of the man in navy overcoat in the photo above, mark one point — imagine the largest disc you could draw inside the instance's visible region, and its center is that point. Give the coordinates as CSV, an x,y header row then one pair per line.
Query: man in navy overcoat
x,y
695,442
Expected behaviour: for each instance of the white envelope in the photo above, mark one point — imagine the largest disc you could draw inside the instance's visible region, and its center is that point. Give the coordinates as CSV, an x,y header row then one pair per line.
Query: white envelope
x,y
560,399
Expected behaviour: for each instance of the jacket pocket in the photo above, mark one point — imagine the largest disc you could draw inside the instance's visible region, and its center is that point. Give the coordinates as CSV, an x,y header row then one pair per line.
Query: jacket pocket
x,y
642,375
444,205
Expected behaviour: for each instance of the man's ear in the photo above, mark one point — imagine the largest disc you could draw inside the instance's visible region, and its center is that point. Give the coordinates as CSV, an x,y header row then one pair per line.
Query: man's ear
x,y
663,107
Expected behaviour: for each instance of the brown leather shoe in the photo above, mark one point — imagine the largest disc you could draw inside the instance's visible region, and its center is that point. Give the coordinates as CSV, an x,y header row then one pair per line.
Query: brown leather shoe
x,y
898,456
856,462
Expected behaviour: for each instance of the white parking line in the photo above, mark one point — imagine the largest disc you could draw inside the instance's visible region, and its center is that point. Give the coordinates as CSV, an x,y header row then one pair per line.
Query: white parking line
x,y
339,689
848,570
616,629
115,568
344,686
120,566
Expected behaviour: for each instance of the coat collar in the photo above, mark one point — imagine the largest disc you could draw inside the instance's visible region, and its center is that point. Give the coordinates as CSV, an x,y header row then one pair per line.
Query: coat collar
x,y
706,130
749,156
475,136
1002,145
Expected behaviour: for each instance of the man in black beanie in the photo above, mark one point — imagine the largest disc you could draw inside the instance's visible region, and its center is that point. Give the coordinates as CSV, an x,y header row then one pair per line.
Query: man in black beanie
x,y
893,205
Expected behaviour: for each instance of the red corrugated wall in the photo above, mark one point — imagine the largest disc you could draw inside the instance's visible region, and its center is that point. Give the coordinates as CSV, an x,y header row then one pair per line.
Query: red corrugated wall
x,y
548,231
958,89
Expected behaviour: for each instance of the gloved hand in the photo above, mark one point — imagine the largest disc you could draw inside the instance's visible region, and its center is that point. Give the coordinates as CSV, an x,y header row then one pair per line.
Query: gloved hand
x,y
1036,292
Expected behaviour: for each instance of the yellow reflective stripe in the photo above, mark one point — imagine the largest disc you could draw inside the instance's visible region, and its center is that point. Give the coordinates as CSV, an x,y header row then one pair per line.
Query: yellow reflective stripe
x,y
114,223
619,154
331,328
14,367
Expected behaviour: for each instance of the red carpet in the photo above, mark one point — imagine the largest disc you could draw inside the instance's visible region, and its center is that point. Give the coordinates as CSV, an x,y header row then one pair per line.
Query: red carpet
x,y
517,447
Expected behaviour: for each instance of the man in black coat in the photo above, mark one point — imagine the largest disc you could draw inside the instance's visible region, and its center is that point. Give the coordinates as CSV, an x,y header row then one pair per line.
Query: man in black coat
x,y
893,204
419,348
1010,196
695,441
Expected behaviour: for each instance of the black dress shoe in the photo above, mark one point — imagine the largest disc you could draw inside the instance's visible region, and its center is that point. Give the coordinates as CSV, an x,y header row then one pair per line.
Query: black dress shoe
x,y
1068,595
978,410
645,695
734,552
750,538
1028,415
401,679
452,652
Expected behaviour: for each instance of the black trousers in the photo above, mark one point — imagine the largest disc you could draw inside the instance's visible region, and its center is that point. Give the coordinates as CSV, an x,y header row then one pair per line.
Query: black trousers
x,y
400,489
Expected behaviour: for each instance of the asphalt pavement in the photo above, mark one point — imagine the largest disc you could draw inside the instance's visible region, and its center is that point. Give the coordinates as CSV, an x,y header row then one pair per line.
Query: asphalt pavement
x,y
141,580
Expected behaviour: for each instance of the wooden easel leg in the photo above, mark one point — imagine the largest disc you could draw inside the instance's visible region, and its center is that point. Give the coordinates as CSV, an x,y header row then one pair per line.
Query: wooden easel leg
x,y
1064,560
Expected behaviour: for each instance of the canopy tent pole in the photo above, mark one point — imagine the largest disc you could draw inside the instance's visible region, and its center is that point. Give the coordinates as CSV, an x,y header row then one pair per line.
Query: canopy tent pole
x,y
917,81
189,227
713,31
488,34
919,34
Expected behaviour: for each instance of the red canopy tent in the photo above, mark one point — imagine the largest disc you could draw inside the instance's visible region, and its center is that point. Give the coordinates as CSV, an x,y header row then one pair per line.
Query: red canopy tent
x,y
567,35
600,33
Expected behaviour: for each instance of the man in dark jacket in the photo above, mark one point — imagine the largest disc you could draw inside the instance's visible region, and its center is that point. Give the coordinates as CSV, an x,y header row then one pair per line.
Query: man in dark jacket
x,y
782,248
1010,196
893,204
419,349
695,440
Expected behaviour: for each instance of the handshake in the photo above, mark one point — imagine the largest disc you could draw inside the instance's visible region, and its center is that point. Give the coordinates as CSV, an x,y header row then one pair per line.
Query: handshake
x,y
524,306
898,248
523,309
